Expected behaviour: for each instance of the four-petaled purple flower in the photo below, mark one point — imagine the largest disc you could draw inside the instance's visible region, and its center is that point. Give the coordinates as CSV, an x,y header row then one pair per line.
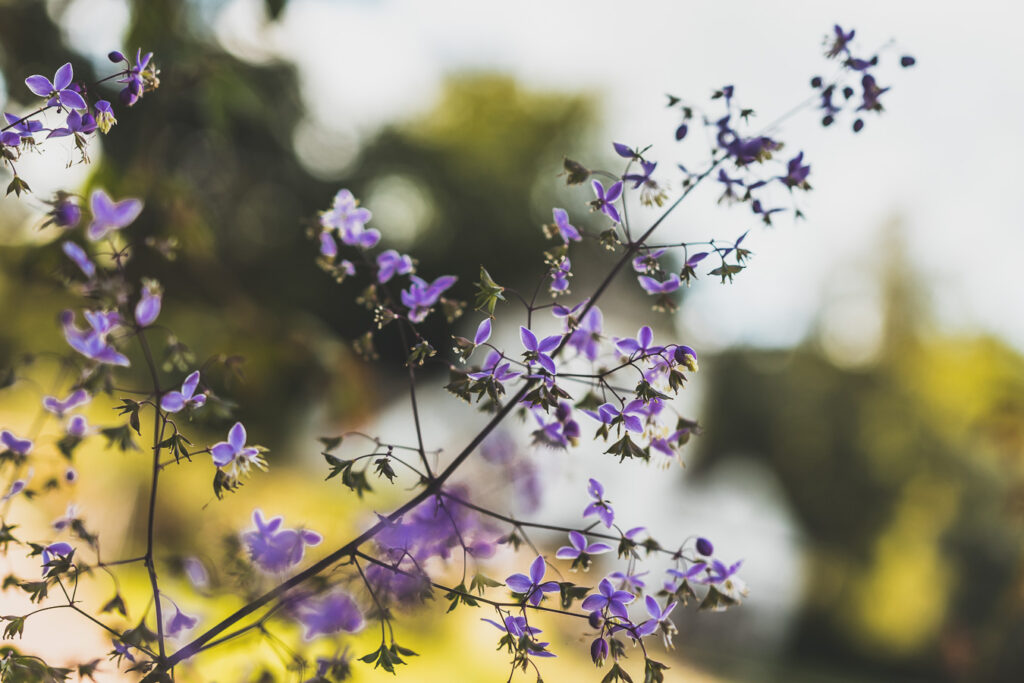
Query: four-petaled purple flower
x,y
659,620
579,546
642,345
652,286
599,506
390,263
59,407
518,627
76,123
568,232
605,202
560,274
135,78
421,295
350,219
235,454
533,587
796,172
493,367
328,614
174,401
840,41
639,179
108,215
93,343
607,413
275,549
15,444
608,598
57,90
540,350
18,129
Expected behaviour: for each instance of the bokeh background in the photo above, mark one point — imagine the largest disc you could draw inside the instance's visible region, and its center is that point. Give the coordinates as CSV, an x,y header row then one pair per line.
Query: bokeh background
x,y
861,384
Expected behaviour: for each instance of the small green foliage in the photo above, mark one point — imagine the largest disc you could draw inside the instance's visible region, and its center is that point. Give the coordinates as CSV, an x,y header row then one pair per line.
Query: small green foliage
x,y
387,657
726,271
480,582
645,391
17,186
458,595
330,443
653,671
420,353
15,627
384,468
131,409
625,448
6,537
115,604
488,292
716,601
176,445
575,172
120,437
616,673
570,592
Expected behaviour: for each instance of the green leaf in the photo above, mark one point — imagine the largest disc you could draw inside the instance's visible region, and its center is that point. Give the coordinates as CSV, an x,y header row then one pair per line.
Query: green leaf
x,y
488,292
480,582
18,186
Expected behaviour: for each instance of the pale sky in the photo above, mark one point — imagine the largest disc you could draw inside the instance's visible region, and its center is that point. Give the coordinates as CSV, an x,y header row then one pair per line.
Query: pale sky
x,y
942,158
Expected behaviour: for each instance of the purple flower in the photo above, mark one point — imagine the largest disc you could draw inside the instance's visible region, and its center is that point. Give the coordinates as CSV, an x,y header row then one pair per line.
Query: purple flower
x,y
18,485
20,129
275,549
719,572
121,650
69,517
391,263
81,259
639,179
104,116
540,350
840,41
349,219
642,345
179,622
659,619
532,587
328,247
630,415
15,444
607,598
136,76
421,295
173,401
562,431
585,335
75,124
683,575
685,356
75,399
235,453
518,627
871,93
652,286
605,202
579,546
560,275
704,546
57,90
70,475
53,552
77,427
108,215
599,506
328,614
93,343
196,572
796,172
599,651
567,231
633,583
148,307
648,263
494,368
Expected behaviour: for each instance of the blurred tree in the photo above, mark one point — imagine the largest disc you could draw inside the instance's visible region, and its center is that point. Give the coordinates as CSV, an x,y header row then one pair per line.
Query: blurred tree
x,y
897,473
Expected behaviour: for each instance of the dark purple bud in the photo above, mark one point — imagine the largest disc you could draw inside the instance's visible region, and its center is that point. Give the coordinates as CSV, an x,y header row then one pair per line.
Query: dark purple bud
x,y
115,56
681,132
858,125
827,121
595,620
847,92
816,82
66,214
599,650
704,547
907,60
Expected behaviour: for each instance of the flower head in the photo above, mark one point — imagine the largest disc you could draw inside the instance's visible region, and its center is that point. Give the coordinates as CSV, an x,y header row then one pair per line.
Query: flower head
x,y
75,399
532,587
275,549
568,232
330,613
598,505
605,202
610,599
108,215
57,90
174,401
235,454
